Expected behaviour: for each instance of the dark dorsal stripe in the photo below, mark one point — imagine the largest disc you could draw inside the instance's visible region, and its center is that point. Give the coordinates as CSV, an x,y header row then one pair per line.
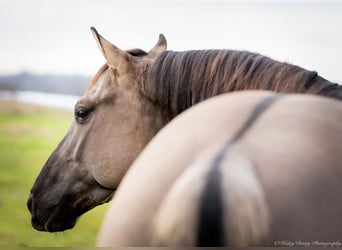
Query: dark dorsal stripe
x,y
210,214
179,80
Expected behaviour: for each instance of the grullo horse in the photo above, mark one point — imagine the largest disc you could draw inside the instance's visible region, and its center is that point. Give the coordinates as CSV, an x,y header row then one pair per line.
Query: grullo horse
x,y
129,100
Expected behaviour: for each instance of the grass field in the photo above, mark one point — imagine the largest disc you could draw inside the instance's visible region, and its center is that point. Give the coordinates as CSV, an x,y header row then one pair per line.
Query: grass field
x,y
28,135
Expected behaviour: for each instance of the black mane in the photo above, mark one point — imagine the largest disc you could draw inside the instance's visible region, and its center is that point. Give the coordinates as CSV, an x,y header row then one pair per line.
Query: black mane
x,y
179,80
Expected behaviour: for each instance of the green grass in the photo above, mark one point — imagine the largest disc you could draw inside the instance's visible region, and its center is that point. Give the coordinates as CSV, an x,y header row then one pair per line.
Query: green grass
x,y
28,135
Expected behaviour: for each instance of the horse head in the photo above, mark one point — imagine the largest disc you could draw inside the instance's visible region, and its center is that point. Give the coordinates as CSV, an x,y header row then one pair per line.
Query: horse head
x,y
113,123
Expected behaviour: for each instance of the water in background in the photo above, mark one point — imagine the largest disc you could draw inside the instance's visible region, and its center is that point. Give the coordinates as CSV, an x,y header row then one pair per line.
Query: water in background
x,y
66,102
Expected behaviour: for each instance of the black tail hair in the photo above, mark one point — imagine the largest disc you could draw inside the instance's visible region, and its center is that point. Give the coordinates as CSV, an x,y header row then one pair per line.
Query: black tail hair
x,y
210,228
210,214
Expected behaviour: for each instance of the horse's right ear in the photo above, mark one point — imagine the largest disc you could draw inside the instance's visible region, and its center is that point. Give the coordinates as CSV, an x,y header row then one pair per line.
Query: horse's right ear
x,y
115,57
159,47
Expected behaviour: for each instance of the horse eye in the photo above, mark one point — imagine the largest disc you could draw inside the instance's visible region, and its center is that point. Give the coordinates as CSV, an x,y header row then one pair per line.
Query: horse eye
x,y
82,114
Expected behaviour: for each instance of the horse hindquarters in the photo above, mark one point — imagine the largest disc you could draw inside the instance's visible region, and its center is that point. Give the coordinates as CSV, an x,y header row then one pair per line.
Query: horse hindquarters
x,y
214,203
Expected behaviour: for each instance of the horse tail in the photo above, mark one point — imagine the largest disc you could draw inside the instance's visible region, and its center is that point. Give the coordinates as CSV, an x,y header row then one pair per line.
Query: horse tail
x,y
232,204
217,201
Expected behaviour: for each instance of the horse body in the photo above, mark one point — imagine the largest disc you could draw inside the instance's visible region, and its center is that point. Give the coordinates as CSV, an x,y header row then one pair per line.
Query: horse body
x,y
279,180
129,100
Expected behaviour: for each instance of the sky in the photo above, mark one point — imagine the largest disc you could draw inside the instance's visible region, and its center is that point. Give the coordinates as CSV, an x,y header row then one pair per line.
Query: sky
x,y
54,36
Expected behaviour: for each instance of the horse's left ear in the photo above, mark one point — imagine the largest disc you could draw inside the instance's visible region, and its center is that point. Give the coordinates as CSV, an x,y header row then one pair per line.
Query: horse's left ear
x,y
159,47
115,57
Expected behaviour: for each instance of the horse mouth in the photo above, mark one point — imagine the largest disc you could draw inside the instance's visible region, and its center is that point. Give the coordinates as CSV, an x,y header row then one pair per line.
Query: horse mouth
x,y
61,218
54,226
54,222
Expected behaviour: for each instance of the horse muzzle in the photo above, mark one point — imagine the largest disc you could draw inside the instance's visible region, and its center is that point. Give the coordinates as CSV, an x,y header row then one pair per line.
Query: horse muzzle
x,y
55,213
51,219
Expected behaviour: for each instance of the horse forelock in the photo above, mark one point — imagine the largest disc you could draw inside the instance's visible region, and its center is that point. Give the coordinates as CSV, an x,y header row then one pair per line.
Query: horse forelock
x,y
137,52
96,77
179,80
132,52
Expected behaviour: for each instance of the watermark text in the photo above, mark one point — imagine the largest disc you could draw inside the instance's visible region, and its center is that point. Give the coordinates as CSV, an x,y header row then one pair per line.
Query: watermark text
x,y
299,243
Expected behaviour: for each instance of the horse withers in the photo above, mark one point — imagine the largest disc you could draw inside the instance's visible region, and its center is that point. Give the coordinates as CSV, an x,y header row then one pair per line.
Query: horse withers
x,y
249,168
129,100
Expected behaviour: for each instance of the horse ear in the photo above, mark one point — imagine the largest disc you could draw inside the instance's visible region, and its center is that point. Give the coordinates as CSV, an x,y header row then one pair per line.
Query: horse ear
x,y
115,57
159,47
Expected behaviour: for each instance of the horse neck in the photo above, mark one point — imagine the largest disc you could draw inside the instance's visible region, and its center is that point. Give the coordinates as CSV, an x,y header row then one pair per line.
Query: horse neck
x,y
178,80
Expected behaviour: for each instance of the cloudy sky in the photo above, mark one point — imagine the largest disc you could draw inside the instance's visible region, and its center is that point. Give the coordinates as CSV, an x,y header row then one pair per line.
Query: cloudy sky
x,y
54,36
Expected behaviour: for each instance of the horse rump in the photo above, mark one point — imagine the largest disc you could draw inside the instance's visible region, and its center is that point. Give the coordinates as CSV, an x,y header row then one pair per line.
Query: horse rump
x,y
217,201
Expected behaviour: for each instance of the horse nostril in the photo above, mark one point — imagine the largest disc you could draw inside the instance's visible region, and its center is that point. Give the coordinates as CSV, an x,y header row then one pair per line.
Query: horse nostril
x,y
29,202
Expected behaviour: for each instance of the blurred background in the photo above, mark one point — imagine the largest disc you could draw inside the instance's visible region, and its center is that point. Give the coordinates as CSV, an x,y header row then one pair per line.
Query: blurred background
x,y
48,56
